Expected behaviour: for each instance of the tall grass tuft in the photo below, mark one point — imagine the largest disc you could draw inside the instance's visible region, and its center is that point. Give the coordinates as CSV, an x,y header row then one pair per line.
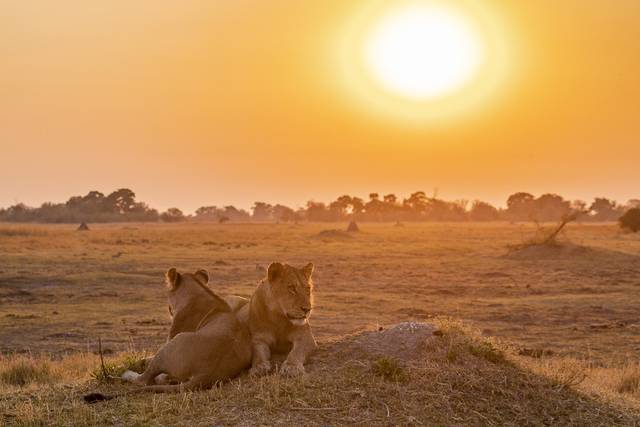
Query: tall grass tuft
x,y
22,370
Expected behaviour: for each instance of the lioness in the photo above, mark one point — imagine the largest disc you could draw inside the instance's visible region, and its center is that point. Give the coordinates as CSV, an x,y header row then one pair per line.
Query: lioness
x,y
218,349
278,318
189,304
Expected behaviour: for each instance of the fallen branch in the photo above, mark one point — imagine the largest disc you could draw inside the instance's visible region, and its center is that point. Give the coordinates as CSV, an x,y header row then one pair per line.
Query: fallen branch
x,y
565,220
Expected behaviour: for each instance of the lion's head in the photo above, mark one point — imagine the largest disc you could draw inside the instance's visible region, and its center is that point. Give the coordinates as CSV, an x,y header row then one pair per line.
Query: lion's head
x,y
292,289
188,290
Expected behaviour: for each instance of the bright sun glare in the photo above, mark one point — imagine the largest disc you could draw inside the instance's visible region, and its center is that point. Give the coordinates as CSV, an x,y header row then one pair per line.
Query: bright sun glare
x,y
423,52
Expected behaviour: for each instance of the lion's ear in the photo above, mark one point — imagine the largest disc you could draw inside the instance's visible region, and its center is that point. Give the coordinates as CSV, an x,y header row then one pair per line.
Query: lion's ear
x,y
202,276
275,272
307,270
173,278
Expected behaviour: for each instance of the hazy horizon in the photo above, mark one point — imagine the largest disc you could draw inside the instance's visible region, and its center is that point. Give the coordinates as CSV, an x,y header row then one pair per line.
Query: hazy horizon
x,y
207,103
498,203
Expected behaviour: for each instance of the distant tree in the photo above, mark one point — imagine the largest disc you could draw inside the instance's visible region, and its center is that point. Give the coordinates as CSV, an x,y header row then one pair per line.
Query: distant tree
x,y
284,213
483,211
172,215
633,203
357,207
207,213
374,208
550,207
391,210
605,210
416,205
90,205
630,220
120,201
236,214
262,211
20,213
223,219
579,205
340,208
317,211
520,206
390,199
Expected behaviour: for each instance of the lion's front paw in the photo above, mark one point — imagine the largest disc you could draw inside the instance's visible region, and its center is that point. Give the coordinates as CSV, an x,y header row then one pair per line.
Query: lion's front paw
x,y
289,369
260,369
130,376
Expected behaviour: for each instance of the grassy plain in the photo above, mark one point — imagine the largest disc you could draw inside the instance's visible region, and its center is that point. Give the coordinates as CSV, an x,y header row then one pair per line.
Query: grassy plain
x,y
566,318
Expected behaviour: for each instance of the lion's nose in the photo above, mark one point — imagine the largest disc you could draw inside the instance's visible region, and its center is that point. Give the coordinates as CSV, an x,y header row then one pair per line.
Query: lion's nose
x,y
306,309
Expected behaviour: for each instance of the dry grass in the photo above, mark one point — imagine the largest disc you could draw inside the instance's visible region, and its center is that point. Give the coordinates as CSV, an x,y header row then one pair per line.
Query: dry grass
x,y
575,312
20,231
21,370
474,389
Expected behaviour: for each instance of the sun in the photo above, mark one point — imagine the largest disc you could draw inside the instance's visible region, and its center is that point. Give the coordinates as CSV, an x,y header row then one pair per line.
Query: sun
x,y
423,52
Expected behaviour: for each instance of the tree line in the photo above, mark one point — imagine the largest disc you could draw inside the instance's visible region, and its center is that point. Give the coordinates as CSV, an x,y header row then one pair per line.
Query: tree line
x,y
121,206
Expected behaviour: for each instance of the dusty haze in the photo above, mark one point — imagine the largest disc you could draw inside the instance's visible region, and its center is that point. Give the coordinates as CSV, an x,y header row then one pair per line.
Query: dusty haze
x,y
197,103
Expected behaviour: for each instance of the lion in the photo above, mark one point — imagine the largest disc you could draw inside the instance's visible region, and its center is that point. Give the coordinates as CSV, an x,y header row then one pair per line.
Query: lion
x,y
207,343
278,318
189,304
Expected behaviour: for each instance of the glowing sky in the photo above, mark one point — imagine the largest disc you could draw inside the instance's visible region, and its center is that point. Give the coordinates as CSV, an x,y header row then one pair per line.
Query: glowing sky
x,y
200,102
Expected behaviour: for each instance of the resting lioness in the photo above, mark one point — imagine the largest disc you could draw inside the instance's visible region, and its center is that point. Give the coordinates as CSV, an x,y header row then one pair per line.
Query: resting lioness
x,y
218,349
278,318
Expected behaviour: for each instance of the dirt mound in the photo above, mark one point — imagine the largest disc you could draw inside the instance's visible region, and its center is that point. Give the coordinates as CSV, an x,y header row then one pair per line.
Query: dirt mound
x,y
564,251
404,342
353,227
83,227
333,235
547,251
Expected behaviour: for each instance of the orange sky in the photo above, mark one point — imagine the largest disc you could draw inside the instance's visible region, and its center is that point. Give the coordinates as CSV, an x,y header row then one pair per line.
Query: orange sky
x,y
200,102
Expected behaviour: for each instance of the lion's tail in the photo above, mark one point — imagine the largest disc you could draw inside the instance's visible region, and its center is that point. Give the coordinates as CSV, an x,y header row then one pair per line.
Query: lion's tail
x,y
194,383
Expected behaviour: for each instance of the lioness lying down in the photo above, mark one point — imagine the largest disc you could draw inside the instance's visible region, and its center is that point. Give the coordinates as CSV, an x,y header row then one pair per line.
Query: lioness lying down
x,y
278,318
216,348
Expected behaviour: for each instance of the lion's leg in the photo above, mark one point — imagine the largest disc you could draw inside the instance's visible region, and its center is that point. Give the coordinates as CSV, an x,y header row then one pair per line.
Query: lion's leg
x,y
171,359
132,377
197,382
303,345
260,363
153,370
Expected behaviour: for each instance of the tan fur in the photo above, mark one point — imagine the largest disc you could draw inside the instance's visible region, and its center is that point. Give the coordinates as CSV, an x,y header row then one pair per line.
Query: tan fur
x,y
206,343
278,315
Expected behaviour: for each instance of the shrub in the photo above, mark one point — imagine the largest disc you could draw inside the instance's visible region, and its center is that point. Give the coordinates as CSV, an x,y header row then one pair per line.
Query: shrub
x,y
115,368
389,369
631,220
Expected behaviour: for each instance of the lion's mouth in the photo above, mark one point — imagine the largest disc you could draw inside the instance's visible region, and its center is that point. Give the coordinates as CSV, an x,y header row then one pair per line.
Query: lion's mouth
x,y
291,317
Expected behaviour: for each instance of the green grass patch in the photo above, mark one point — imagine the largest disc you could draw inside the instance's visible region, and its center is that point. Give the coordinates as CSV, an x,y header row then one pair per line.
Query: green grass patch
x,y
388,368
135,361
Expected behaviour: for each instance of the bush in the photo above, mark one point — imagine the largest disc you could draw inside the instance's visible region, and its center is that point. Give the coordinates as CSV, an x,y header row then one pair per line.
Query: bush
x,y
134,361
631,220
389,369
